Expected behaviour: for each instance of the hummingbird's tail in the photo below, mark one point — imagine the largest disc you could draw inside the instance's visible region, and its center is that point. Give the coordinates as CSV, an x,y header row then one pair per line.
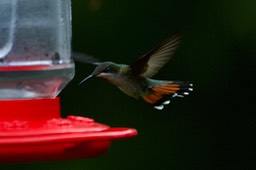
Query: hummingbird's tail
x,y
161,94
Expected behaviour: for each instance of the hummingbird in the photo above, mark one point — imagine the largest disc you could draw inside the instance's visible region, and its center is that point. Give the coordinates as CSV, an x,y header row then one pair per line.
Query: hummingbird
x,y
135,79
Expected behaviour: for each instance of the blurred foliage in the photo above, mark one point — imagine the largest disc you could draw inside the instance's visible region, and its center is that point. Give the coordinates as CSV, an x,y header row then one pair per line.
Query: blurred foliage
x,y
208,129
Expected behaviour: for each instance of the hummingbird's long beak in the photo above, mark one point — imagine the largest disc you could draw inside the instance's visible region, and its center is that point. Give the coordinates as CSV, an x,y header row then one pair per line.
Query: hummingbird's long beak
x,y
87,78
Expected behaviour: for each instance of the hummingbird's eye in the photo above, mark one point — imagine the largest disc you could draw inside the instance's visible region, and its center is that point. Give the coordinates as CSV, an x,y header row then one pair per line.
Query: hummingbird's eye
x,y
107,70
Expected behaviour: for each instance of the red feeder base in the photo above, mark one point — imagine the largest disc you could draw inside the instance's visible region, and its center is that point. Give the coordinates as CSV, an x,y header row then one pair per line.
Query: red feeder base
x,y
32,130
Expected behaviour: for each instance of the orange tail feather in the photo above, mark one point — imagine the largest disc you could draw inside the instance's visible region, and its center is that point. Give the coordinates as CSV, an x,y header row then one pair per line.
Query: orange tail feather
x,y
161,94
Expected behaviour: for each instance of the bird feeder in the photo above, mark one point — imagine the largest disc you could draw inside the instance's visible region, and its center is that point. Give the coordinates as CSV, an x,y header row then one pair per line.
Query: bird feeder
x,y
35,65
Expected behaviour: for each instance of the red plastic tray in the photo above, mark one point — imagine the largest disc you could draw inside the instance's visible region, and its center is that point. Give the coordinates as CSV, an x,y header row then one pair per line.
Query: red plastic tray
x,y
32,130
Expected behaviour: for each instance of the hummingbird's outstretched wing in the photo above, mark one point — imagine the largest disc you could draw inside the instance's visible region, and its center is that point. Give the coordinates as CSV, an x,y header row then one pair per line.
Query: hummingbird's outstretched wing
x,y
150,63
84,58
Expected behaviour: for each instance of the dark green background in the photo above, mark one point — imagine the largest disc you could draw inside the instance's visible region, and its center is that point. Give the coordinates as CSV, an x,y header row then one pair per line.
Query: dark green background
x,y
211,128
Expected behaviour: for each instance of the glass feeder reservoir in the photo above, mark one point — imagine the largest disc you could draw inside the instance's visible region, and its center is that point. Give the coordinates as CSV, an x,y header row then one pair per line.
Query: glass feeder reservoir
x,y
35,50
